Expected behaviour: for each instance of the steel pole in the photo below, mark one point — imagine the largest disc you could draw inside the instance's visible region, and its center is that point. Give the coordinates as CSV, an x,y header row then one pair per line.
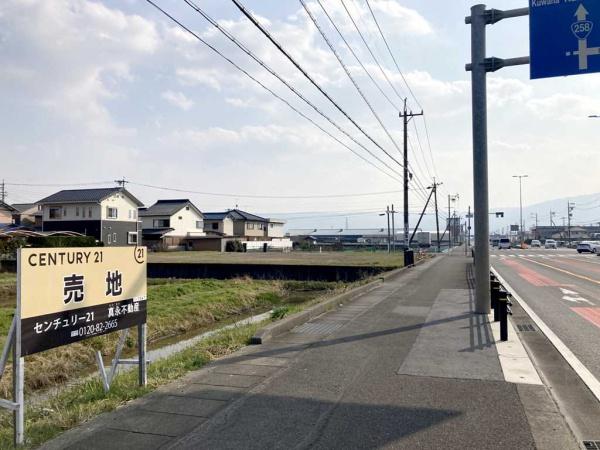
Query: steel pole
x,y
393,229
387,212
521,209
480,160
437,219
405,162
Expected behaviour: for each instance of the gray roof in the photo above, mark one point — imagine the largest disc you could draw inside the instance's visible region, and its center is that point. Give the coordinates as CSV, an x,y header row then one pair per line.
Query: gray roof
x,y
7,207
167,208
235,214
22,207
86,196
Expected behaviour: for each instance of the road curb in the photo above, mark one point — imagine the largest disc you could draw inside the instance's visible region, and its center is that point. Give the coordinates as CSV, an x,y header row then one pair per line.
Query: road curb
x,y
284,325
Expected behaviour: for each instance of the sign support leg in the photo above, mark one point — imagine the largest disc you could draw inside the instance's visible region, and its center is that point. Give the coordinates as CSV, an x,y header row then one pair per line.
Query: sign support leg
x,y
18,381
143,369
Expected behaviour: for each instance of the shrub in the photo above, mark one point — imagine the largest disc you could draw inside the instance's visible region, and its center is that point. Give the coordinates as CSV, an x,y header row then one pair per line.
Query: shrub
x,y
63,241
234,246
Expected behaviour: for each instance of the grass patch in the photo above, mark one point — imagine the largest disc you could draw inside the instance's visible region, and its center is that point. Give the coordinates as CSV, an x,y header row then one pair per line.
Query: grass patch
x,y
175,308
345,258
83,402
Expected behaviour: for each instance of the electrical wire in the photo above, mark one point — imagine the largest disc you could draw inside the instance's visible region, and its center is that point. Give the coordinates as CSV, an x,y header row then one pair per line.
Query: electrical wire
x,y
232,38
262,29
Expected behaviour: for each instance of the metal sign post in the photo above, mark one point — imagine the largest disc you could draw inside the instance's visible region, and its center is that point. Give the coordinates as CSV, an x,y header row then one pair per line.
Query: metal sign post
x,y
480,65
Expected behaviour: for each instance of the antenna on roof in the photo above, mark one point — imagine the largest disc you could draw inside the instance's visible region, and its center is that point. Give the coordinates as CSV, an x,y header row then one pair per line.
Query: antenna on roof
x,y
122,182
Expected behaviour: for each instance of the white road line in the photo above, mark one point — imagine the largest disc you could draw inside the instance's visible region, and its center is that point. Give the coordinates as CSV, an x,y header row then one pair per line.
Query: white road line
x,y
586,376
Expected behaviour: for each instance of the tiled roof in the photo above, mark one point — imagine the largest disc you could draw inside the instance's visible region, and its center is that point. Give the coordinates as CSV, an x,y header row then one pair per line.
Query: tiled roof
x,y
7,207
86,195
167,207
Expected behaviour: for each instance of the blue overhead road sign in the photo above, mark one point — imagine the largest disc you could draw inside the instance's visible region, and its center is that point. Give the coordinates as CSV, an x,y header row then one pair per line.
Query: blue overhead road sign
x,y
564,37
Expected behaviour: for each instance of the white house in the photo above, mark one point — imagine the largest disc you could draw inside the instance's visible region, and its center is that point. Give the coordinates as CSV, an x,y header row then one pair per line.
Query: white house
x,y
171,223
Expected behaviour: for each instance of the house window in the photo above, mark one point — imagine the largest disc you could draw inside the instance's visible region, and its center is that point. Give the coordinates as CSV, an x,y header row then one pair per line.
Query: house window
x,y
199,225
161,223
250,226
114,238
111,213
271,225
129,214
90,212
215,225
180,218
77,211
187,208
54,213
132,237
64,212
108,238
260,226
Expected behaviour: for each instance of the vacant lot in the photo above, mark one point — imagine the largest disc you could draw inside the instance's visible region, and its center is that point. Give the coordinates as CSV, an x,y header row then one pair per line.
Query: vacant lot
x,y
175,308
349,258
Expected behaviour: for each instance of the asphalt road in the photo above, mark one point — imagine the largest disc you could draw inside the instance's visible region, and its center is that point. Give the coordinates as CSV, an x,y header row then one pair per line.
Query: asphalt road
x,y
563,288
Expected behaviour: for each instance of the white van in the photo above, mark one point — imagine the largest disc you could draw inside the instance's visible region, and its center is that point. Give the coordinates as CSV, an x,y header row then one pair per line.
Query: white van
x,y
504,243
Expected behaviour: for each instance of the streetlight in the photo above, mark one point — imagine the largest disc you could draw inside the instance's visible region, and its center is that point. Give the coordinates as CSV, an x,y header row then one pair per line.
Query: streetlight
x,y
520,177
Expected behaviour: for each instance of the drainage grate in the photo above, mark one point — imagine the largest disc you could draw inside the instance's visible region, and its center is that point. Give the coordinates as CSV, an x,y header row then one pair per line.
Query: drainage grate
x,y
526,327
591,445
317,328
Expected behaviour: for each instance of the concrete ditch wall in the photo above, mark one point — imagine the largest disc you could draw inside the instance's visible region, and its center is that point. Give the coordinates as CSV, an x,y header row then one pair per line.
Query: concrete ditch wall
x,y
263,271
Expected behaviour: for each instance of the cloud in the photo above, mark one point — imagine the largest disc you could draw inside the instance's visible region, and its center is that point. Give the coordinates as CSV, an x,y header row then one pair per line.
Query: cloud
x,y
178,99
194,77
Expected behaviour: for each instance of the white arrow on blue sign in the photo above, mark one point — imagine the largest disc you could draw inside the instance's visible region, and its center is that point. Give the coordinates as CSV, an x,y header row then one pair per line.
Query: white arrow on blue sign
x,y
564,37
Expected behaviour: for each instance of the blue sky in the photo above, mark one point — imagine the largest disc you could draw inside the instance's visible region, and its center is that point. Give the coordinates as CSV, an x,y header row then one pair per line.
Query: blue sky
x,y
96,90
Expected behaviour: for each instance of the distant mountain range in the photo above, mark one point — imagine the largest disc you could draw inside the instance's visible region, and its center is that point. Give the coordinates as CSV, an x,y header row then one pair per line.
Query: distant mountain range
x,y
586,212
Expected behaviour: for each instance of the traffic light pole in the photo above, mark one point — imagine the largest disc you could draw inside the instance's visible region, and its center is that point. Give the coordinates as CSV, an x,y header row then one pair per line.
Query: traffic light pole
x,y
480,65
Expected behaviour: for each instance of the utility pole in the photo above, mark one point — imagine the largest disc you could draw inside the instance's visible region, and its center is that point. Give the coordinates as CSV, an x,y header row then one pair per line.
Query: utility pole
x,y
3,192
387,213
393,212
535,216
520,177
437,218
552,214
451,220
122,182
406,116
570,208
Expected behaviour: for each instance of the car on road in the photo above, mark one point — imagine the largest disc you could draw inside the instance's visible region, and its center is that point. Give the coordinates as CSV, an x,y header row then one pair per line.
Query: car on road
x,y
588,247
535,243
550,243
504,243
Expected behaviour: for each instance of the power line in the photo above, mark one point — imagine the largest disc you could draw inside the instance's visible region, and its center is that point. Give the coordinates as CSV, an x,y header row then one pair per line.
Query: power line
x,y
349,47
360,92
405,82
391,54
281,79
308,77
287,197
370,51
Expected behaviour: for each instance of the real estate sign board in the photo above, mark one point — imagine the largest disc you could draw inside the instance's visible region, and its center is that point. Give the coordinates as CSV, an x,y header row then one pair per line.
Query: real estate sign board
x,y
66,295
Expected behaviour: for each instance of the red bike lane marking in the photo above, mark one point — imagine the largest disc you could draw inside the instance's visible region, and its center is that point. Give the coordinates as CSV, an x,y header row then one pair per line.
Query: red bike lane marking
x,y
591,314
531,275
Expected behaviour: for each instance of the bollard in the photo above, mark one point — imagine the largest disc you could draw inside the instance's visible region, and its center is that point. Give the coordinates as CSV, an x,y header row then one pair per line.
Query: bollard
x,y
502,294
503,313
494,291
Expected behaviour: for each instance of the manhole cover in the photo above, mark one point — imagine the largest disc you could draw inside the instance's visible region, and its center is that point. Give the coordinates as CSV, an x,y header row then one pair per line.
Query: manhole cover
x,y
526,327
317,328
591,445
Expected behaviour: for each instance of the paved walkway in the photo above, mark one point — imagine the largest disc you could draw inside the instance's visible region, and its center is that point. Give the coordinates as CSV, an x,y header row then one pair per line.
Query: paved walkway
x,y
405,366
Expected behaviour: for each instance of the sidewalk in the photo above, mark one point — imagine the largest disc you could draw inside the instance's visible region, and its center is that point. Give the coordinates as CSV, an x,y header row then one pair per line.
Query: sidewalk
x,y
405,366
